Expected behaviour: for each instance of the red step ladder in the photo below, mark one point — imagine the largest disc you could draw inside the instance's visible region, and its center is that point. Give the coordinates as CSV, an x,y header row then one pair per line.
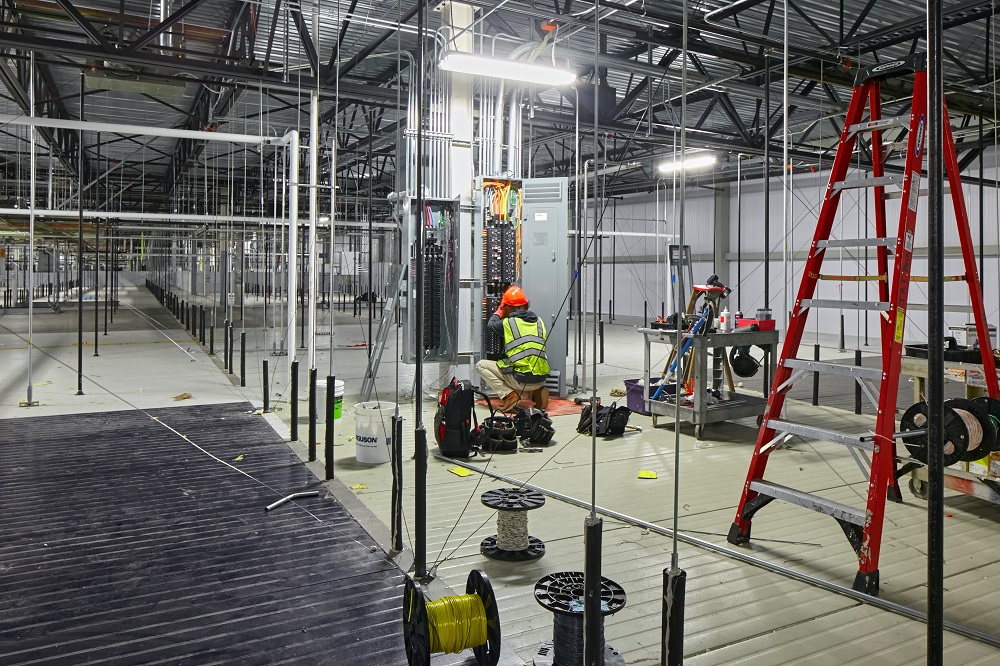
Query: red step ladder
x,y
863,527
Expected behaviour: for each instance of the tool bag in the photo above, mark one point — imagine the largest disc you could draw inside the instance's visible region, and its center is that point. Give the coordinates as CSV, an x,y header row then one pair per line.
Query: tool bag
x,y
611,420
455,423
534,426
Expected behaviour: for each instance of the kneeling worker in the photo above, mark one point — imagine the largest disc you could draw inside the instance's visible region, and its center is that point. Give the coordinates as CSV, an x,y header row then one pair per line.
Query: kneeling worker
x,y
524,368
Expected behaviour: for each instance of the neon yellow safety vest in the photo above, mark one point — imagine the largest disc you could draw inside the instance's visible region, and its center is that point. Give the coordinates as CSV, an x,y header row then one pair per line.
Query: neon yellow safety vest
x,y
524,350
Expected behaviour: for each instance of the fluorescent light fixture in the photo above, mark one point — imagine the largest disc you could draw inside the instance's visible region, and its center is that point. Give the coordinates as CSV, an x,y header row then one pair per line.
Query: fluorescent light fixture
x,y
688,163
515,70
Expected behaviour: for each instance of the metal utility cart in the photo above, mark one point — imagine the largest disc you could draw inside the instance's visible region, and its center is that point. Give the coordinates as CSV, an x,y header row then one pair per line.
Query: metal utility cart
x,y
732,404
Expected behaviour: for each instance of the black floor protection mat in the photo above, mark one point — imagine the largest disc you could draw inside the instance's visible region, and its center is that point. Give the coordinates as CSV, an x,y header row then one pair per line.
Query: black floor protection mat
x,y
122,543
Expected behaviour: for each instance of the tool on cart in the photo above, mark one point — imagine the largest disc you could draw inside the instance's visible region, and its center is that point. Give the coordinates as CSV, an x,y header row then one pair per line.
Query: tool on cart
x,y
863,526
711,293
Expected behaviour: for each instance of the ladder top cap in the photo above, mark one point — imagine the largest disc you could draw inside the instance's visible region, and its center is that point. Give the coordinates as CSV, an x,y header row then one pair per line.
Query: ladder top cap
x,y
898,67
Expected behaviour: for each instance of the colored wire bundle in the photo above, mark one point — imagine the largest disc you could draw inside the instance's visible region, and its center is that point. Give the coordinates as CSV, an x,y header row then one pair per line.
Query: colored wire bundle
x,y
456,623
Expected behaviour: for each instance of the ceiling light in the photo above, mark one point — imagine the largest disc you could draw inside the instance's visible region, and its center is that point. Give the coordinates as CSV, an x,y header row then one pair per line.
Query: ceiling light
x,y
515,70
688,163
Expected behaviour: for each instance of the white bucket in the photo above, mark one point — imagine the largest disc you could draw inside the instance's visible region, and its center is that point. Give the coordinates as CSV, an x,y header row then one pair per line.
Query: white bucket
x,y
373,431
338,399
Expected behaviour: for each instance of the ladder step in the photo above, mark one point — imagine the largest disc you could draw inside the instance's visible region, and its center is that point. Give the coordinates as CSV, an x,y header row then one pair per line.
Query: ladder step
x,y
881,181
881,124
844,305
823,434
921,192
792,496
858,242
875,374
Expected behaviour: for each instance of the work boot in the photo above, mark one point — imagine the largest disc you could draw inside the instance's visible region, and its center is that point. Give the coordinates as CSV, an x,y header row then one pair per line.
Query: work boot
x,y
540,396
510,401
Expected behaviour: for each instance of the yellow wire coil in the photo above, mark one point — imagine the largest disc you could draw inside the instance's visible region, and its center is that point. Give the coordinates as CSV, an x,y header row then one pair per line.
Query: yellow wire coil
x,y
456,623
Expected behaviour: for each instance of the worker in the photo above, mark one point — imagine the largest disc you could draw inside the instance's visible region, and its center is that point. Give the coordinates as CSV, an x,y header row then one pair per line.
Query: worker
x,y
524,368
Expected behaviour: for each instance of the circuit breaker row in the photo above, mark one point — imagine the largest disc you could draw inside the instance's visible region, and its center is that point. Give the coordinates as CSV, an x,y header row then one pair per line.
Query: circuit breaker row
x,y
499,272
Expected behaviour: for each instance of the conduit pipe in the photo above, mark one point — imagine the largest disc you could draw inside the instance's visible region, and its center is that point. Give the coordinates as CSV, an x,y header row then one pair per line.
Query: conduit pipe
x,y
313,219
86,126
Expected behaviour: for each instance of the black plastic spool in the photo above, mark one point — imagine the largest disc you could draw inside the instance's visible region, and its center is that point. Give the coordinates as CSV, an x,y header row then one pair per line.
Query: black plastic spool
x,y
512,499
416,628
955,431
562,593
992,407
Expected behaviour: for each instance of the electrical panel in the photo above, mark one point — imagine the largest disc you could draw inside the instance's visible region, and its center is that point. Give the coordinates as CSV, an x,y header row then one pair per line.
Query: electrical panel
x,y
437,223
523,228
501,215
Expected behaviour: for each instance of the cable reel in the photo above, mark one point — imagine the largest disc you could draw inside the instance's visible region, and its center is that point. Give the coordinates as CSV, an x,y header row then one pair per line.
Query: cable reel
x,y
453,623
563,594
969,433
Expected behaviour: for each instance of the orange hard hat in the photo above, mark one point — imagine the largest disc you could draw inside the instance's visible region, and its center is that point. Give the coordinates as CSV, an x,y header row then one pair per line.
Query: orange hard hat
x,y
514,296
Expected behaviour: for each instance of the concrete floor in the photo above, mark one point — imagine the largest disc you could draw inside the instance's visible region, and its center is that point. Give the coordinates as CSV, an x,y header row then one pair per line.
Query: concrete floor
x,y
735,613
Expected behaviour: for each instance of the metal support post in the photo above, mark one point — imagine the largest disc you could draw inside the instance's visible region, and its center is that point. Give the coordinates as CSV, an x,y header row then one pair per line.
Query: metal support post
x,y
815,377
672,646
294,399
312,413
331,405
211,340
266,389
232,348
225,345
857,385
201,325
397,484
243,358
593,624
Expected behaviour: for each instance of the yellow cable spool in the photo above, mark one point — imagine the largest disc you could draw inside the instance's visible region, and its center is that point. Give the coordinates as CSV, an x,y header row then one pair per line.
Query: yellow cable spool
x,y
452,624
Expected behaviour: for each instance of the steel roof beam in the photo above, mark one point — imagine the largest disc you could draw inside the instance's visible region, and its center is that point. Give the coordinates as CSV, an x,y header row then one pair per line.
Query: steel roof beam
x,y
725,12
903,31
306,39
165,25
84,24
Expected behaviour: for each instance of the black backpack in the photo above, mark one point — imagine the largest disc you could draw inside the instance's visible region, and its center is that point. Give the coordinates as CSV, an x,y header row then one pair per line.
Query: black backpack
x,y
611,421
456,428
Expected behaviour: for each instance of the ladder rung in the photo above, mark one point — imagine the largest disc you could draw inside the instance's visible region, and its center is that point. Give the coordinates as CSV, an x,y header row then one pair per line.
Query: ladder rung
x,y
792,496
823,434
881,124
852,278
881,181
946,278
921,193
828,368
922,307
857,242
844,305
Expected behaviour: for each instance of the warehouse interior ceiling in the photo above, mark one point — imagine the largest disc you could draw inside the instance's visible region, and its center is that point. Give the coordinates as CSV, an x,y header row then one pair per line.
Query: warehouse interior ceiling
x,y
248,68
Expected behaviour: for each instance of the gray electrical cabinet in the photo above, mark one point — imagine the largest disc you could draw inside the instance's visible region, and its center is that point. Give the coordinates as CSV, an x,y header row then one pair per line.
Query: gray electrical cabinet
x,y
544,262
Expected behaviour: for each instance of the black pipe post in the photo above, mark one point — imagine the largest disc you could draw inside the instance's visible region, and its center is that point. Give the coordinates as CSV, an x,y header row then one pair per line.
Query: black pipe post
x,y
593,622
201,322
107,281
312,413
857,385
397,484
232,348
266,389
225,345
645,313
331,406
815,376
97,270
295,401
935,338
600,332
211,340
672,643
79,253
243,358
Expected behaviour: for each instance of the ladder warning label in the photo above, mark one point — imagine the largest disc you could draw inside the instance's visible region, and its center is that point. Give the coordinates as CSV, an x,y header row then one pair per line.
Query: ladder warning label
x,y
914,190
900,319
